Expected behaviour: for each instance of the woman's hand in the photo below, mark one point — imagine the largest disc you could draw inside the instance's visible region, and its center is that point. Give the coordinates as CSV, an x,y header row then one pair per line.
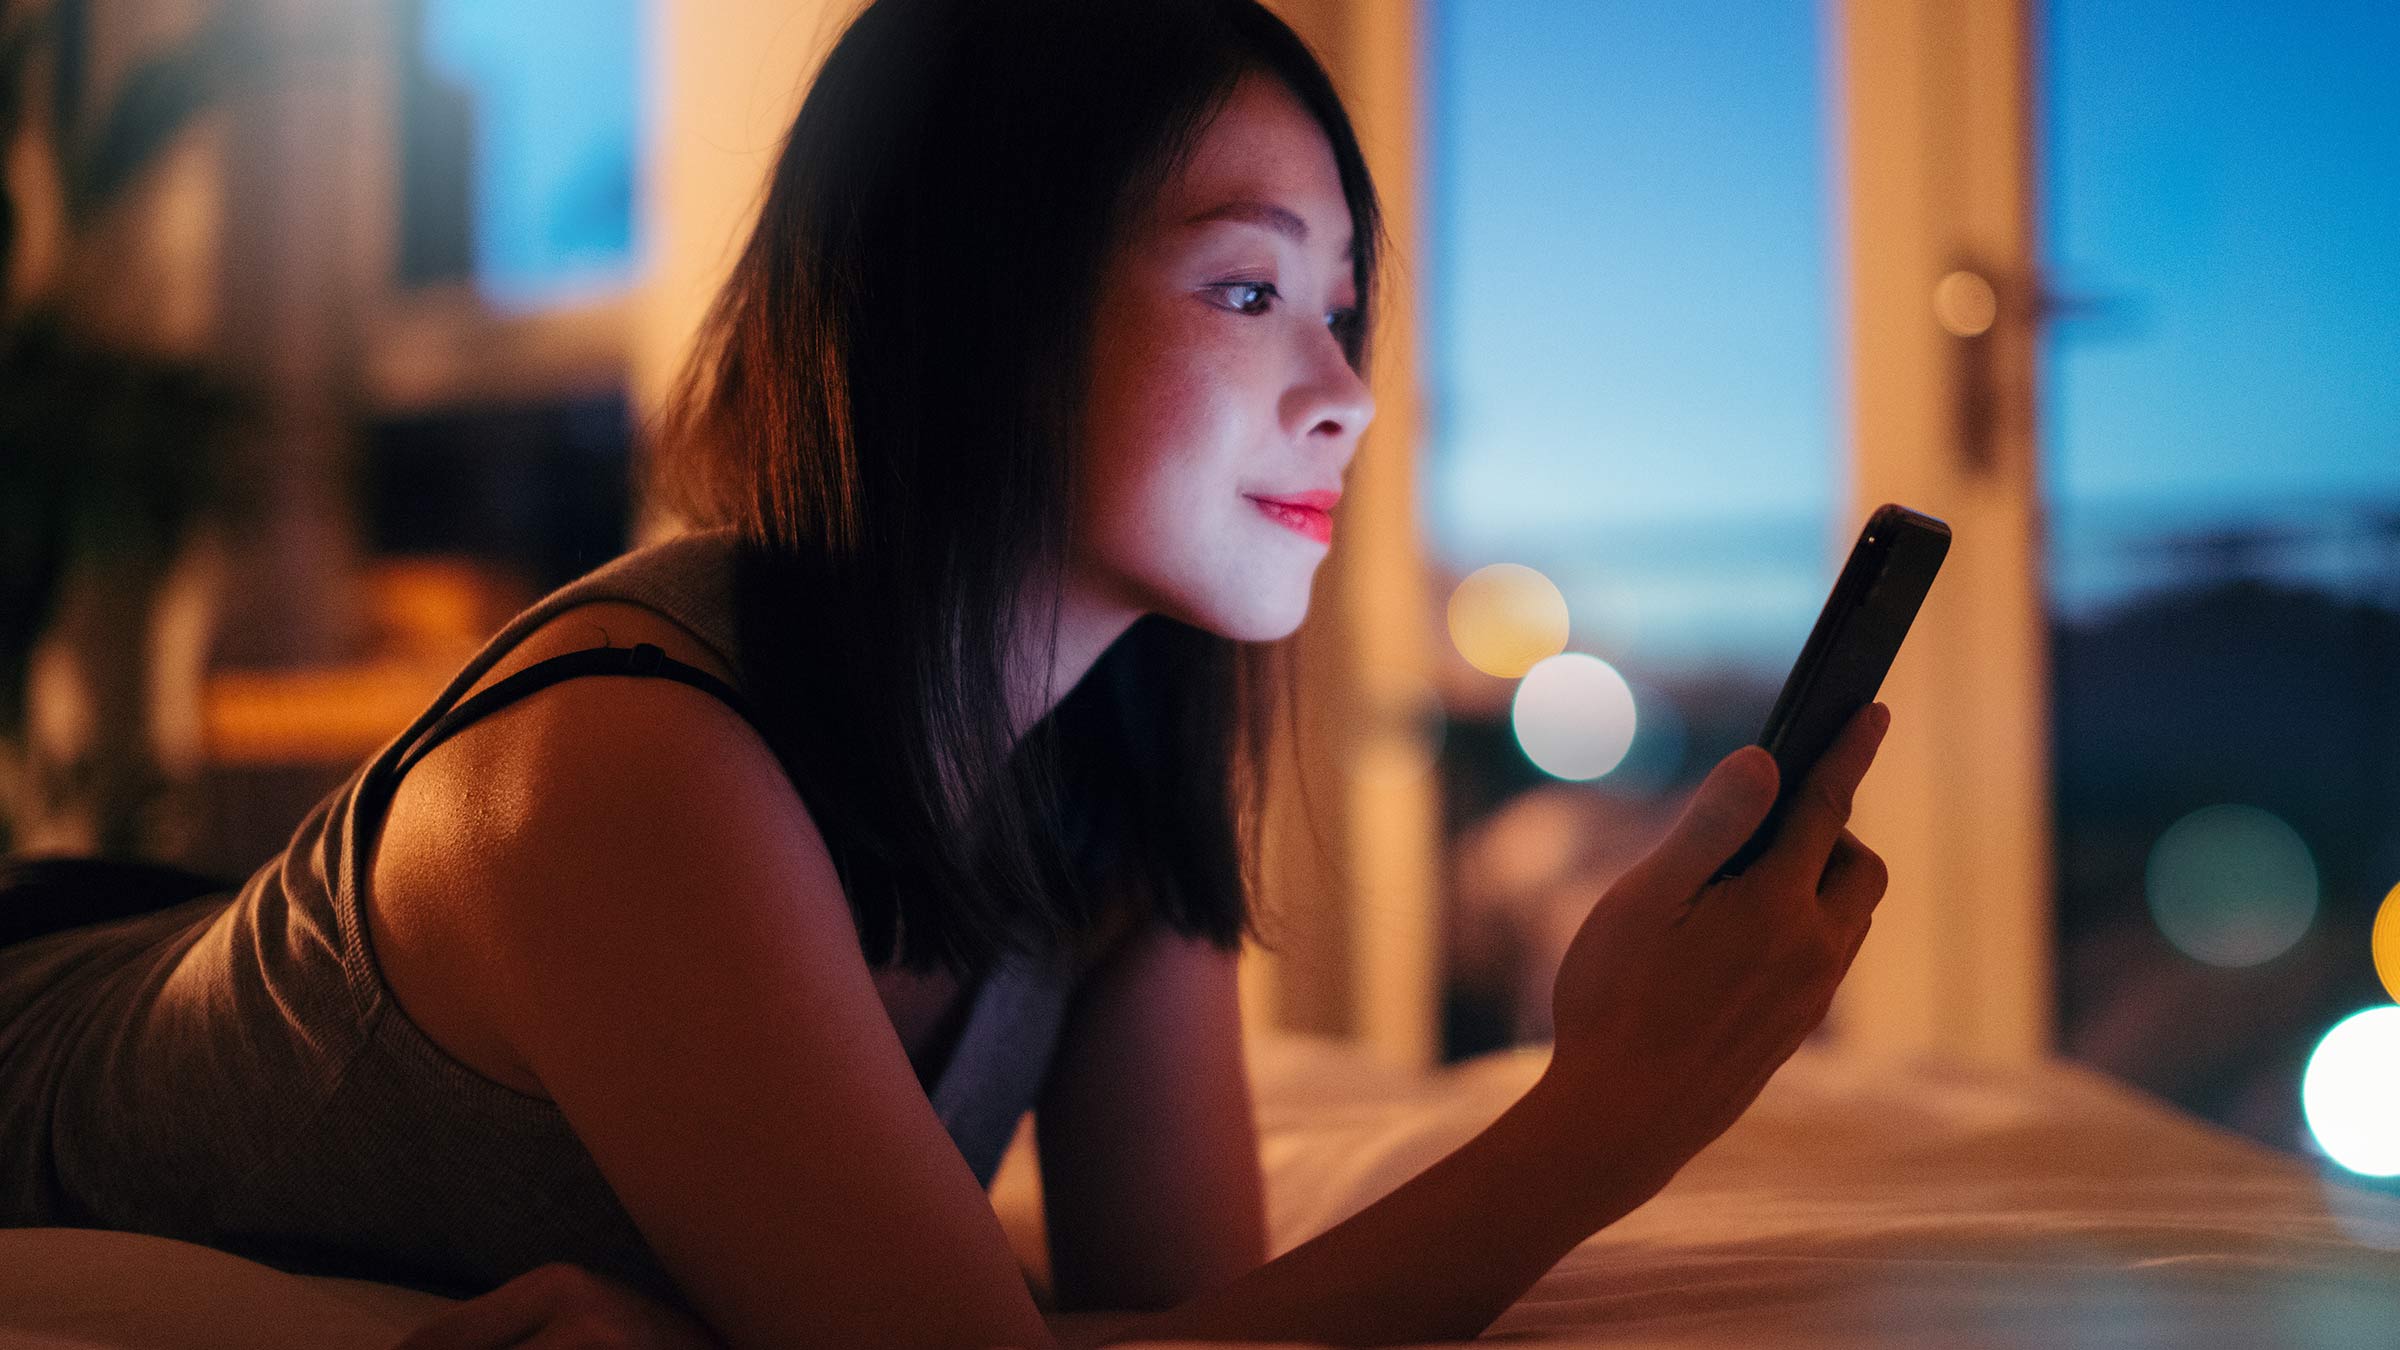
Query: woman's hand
x,y
1680,996
558,1306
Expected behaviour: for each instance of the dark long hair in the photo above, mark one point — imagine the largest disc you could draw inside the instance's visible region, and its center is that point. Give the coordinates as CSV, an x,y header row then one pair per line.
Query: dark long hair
x,y
885,403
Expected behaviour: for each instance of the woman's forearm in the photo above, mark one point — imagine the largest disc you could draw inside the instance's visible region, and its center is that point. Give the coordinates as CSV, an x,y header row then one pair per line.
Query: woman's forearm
x,y
1438,1259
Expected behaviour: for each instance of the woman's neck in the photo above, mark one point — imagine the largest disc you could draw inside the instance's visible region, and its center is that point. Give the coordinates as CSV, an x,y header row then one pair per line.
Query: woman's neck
x,y
1040,675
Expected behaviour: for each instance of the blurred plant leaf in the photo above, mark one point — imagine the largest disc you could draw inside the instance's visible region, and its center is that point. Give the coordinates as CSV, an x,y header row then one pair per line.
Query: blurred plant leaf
x,y
158,100
109,453
8,240
107,449
18,47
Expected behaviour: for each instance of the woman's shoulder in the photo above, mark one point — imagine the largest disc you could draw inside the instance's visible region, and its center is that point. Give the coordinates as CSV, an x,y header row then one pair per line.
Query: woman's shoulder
x,y
690,579
653,731
678,592
608,622
481,793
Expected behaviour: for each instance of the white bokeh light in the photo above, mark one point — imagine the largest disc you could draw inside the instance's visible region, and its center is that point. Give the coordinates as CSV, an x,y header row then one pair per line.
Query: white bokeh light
x,y
1574,716
2351,1092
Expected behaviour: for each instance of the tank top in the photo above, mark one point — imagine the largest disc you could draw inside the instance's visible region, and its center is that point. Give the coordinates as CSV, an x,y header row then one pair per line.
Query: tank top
x,y
233,1071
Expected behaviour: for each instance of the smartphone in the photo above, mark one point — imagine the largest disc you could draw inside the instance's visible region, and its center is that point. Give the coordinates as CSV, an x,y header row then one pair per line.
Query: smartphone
x,y
1848,652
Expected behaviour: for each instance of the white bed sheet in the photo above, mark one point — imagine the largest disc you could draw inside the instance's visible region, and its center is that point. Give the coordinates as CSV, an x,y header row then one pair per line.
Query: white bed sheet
x,y
1855,1205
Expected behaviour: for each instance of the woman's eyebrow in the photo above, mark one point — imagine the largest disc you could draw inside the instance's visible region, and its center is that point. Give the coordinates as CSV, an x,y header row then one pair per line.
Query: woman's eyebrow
x,y
1279,219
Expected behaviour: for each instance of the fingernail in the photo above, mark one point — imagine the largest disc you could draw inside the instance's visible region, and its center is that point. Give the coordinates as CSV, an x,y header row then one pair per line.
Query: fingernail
x,y
1883,720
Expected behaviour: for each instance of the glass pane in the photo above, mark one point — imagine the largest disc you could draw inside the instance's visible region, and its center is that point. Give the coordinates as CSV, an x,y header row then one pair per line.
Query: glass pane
x,y
518,133
1628,320
2223,425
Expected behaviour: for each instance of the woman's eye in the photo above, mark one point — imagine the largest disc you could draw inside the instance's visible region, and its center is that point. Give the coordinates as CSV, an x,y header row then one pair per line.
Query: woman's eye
x,y
1341,321
1262,288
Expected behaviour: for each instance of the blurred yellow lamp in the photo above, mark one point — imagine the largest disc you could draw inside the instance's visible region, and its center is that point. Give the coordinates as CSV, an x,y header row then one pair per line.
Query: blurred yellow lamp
x,y
1506,617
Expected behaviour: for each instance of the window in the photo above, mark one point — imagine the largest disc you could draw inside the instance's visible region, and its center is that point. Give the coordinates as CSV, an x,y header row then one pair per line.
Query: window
x,y
518,133
1629,386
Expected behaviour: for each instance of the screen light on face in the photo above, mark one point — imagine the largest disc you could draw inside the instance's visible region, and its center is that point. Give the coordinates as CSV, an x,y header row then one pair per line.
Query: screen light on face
x,y
2351,1092
2231,885
1574,716
1506,617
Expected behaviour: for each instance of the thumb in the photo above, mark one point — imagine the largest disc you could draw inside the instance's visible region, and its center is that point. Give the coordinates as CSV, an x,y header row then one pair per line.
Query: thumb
x,y
1730,805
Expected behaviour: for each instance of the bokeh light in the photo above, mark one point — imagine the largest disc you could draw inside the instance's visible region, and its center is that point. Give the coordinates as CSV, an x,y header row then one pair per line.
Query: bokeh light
x,y
1965,304
2387,943
1574,716
2351,1092
2232,885
1506,617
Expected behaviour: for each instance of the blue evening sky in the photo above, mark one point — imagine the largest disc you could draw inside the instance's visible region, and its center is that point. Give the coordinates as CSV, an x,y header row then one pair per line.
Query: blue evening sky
x,y
2228,173
1628,295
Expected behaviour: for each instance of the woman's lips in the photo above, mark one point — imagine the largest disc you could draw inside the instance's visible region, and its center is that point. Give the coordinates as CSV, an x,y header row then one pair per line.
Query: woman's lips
x,y
1297,514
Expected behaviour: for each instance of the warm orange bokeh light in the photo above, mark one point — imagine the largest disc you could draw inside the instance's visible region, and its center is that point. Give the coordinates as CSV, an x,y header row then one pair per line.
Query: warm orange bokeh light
x,y
1506,617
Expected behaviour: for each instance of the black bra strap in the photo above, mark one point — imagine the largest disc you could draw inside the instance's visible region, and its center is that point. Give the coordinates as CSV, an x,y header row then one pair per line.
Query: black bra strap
x,y
640,659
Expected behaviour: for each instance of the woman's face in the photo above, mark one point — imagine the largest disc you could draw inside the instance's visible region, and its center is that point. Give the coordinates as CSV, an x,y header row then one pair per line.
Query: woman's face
x,y
1219,380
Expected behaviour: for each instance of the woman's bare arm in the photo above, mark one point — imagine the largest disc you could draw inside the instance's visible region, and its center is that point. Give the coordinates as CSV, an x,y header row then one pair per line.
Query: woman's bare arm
x,y
668,950
661,939
1438,1259
1151,1185
694,1065
1678,999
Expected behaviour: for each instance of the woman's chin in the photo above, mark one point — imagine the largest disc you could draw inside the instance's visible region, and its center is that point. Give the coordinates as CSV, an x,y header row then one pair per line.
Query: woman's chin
x,y
1244,607
1255,622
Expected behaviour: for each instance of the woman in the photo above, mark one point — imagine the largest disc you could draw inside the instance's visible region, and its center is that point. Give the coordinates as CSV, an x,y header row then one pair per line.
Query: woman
x,y
699,1001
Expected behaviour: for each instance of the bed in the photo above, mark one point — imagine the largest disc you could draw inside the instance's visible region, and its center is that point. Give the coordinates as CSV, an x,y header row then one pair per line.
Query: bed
x,y
1855,1205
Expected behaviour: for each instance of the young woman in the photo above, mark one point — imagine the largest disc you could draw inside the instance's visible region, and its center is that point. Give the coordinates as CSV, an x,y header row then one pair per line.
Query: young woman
x,y
686,967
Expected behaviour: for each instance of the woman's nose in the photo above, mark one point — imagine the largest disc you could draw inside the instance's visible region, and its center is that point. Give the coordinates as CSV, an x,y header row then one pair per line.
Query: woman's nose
x,y
1339,401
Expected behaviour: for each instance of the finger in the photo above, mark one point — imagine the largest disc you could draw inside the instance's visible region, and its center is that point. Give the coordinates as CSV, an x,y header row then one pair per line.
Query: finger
x,y
1821,810
500,1318
1854,881
1724,812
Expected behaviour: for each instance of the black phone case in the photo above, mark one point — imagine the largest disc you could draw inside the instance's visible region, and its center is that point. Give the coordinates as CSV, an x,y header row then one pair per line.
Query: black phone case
x,y
1848,652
